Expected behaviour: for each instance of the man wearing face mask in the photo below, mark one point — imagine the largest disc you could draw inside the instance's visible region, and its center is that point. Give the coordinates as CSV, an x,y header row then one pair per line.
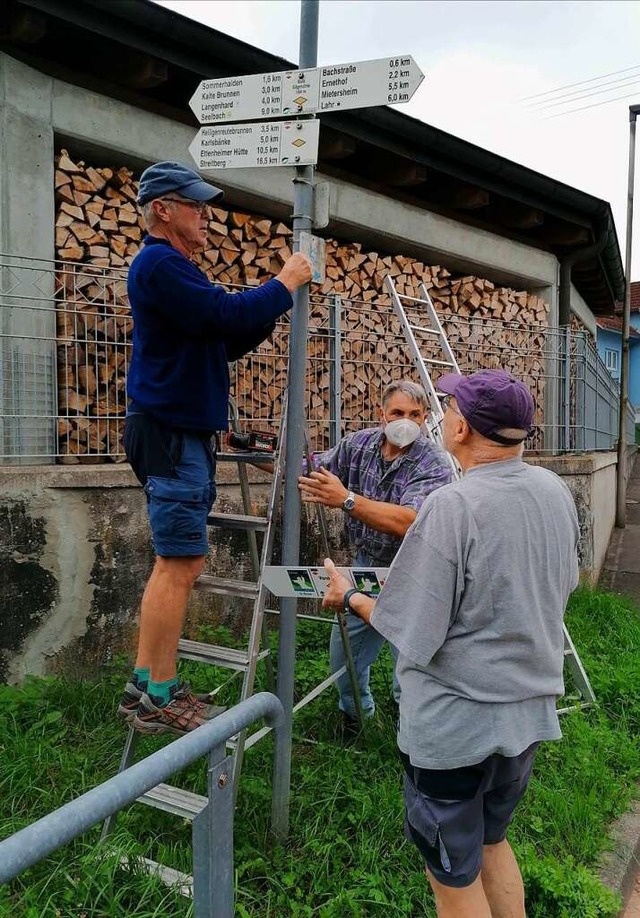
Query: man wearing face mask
x,y
379,477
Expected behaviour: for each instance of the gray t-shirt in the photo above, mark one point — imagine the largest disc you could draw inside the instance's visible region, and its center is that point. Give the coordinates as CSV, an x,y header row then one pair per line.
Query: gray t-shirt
x,y
474,603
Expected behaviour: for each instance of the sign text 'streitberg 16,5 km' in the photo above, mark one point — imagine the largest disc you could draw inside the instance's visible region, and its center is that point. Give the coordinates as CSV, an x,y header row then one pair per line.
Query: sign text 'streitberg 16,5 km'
x,y
272,143
387,81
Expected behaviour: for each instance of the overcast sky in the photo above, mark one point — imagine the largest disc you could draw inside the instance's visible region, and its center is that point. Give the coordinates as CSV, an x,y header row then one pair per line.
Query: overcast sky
x,y
481,58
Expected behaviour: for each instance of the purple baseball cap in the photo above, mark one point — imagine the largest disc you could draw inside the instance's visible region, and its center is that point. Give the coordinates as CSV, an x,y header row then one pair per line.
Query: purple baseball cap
x,y
490,401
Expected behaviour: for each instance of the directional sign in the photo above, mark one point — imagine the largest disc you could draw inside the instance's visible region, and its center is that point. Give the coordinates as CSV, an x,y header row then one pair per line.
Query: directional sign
x,y
271,143
387,81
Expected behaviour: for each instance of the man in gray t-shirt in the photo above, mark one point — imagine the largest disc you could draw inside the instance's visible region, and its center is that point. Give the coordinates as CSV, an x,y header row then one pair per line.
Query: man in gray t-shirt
x,y
474,604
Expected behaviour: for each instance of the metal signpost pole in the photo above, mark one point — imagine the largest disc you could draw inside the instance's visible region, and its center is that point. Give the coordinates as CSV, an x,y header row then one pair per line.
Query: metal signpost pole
x,y
221,145
621,483
294,445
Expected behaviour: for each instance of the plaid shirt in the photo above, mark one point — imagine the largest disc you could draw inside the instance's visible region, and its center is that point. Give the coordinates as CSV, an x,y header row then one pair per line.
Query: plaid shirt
x,y
406,481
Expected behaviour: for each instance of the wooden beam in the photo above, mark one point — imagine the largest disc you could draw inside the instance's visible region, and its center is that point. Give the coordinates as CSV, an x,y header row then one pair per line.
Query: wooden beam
x,y
565,234
517,216
23,26
405,174
468,197
334,145
141,71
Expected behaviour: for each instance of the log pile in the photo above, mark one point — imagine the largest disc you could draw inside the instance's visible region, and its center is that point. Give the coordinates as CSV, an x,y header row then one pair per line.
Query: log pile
x,y
98,232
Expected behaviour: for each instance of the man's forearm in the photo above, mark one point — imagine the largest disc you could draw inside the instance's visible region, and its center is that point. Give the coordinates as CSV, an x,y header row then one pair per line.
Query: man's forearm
x,y
383,517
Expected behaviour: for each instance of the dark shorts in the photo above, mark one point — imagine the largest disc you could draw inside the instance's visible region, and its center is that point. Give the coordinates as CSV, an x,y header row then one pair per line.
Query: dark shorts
x,y
450,815
177,470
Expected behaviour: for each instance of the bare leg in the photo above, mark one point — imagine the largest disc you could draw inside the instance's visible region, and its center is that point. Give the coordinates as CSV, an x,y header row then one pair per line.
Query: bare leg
x,y
502,881
162,614
469,902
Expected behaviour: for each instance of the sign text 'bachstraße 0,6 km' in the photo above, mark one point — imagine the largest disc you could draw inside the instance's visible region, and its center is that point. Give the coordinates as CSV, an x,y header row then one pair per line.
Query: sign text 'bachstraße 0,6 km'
x,y
388,81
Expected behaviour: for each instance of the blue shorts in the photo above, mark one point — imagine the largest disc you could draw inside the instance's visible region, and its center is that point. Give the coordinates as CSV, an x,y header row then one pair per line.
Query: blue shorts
x,y
450,815
177,470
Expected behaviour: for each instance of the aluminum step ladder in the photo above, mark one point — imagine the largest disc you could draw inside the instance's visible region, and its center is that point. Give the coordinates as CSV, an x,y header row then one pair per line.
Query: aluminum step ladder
x,y
432,353
178,801
175,800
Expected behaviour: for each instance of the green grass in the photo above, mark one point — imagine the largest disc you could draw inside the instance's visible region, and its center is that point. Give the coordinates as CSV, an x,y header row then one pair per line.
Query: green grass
x,y
347,855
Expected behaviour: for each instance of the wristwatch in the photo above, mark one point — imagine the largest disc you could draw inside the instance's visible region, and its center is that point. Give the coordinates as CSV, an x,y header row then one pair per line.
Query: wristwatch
x,y
349,502
346,601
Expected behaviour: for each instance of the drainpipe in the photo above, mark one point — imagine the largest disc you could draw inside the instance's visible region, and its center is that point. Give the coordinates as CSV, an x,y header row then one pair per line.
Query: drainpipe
x,y
564,321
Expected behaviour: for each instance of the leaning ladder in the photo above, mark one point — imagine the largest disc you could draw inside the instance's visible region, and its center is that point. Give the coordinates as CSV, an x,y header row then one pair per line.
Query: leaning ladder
x,y
441,358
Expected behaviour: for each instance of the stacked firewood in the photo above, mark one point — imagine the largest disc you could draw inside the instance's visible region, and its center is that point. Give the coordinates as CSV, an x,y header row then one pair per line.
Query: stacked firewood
x,y
98,229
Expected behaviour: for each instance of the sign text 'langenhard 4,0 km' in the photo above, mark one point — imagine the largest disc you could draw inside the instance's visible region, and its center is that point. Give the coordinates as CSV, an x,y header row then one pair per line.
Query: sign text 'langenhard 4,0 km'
x,y
387,81
271,143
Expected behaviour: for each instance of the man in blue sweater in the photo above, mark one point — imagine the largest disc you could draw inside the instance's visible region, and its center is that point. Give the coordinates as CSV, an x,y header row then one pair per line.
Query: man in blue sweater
x,y
185,332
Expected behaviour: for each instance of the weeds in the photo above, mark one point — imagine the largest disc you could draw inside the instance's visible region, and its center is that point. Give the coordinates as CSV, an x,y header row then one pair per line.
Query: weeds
x,y
347,855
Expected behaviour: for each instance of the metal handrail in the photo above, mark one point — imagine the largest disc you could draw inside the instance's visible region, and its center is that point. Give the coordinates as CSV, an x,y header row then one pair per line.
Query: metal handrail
x,y
212,827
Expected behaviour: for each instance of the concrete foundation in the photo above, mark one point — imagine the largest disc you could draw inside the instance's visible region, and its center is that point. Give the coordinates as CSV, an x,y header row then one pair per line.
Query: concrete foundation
x,y
75,554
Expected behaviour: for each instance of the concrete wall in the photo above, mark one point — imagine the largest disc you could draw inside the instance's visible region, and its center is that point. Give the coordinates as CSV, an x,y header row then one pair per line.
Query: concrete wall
x,y
75,554
592,481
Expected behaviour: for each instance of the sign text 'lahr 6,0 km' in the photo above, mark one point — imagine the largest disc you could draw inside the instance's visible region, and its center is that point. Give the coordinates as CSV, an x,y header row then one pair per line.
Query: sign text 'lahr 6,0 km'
x,y
387,81
270,143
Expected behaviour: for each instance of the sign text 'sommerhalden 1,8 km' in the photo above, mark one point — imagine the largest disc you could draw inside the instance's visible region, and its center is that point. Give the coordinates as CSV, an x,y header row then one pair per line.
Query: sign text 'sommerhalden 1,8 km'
x,y
387,81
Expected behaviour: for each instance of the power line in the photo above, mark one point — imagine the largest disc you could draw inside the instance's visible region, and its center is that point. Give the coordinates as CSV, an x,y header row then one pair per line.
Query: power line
x,y
583,93
579,83
597,92
633,95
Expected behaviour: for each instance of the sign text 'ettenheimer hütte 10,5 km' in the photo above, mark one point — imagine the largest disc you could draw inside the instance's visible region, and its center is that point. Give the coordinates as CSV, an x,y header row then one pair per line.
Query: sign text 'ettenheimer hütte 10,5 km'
x,y
270,143
387,81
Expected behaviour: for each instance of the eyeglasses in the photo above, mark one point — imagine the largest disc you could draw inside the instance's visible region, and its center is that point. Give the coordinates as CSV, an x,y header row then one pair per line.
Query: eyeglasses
x,y
445,403
200,206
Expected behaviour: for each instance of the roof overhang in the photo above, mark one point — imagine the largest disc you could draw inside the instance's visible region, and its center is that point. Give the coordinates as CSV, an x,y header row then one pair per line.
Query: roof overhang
x,y
152,57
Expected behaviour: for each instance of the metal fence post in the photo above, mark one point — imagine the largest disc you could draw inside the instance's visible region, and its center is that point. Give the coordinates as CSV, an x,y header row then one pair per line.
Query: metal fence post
x,y
212,834
279,793
335,370
566,391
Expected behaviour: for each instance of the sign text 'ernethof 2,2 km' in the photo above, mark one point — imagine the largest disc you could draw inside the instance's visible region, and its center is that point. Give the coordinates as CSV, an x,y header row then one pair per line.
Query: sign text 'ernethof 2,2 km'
x,y
270,143
387,81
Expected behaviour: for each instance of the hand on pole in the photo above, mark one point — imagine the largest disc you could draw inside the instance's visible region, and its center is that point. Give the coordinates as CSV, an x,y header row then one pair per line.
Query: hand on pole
x,y
295,272
322,487
338,586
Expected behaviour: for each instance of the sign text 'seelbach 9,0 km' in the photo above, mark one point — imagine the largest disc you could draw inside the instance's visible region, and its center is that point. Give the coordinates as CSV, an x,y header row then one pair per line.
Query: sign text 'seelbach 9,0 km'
x,y
387,81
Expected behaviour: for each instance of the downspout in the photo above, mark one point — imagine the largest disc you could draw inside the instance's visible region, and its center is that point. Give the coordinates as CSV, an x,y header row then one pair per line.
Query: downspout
x,y
564,321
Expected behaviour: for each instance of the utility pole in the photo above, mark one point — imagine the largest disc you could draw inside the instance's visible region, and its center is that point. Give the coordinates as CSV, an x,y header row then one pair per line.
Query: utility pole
x,y
294,443
621,474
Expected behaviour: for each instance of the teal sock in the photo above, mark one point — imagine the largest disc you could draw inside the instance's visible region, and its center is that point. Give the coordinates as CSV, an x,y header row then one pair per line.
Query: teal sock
x,y
141,676
160,692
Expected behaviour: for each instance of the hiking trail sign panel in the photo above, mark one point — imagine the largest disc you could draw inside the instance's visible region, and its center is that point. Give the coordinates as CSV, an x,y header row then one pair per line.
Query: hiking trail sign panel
x,y
386,81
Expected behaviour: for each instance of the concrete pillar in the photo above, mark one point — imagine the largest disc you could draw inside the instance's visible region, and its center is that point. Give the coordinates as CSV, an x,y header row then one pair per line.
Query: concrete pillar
x,y
27,277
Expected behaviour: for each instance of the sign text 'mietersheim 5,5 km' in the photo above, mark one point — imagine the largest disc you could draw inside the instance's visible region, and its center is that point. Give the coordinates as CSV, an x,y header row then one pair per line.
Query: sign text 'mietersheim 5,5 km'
x,y
387,81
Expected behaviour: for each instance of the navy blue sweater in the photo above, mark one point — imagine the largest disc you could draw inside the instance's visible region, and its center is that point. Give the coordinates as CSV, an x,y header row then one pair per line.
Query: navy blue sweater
x,y
185,330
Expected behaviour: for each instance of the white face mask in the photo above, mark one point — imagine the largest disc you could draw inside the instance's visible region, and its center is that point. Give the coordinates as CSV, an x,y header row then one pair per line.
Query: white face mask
x,y
402,432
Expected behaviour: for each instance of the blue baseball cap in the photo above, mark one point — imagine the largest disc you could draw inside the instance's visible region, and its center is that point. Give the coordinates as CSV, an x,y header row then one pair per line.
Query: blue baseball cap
x,y
161,178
